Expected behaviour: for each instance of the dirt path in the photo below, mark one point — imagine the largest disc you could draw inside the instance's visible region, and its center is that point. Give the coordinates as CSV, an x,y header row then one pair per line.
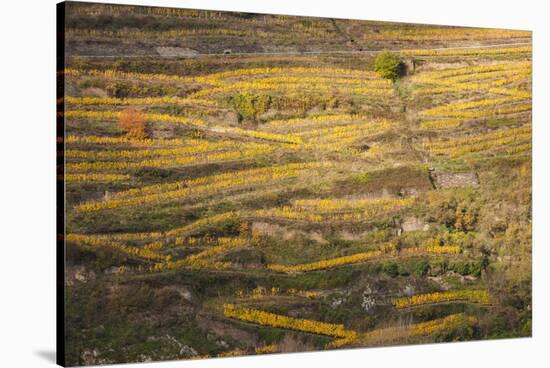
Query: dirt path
x,y
289,53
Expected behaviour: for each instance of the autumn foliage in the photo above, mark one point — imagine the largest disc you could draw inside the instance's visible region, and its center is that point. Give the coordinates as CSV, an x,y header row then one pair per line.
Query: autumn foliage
x,y
132,121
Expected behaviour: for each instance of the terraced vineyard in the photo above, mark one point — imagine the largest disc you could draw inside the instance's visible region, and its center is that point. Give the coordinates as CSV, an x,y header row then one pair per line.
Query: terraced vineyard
x,y
287,197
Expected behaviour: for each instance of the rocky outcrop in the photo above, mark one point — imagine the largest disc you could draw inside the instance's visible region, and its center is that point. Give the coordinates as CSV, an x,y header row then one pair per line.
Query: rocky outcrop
x,y
176,52
414,224
78,274
445,180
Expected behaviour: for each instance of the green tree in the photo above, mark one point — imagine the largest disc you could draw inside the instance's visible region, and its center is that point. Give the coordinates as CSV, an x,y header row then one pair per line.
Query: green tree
x,y
389,65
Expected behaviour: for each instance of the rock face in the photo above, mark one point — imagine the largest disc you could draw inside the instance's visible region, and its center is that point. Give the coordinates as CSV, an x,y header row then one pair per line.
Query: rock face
x,y
89,357
413,224
368,300
78,273
455,180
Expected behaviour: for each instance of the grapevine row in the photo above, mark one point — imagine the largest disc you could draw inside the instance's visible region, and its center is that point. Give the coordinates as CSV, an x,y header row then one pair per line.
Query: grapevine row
x,y
474,296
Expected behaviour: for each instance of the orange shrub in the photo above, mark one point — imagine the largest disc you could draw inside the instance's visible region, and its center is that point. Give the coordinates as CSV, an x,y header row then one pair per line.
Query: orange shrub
x,y
132,121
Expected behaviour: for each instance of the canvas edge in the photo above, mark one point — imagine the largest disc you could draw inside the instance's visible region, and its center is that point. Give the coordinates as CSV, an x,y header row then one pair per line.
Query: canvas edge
x,y
60,190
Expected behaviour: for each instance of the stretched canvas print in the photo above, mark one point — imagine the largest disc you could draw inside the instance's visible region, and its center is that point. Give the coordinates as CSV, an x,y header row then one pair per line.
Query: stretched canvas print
x,y
234,184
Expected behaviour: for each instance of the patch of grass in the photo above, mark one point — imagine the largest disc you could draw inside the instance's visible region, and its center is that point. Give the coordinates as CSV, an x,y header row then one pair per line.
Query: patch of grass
x,y
271,335
497,123
392,180
315,280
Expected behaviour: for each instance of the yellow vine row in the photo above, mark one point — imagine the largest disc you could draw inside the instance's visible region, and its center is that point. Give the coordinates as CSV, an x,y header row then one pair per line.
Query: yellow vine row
x,y
474,296
196,123
94,241
385,252
96,177
394,334
465,52
166,100
281,321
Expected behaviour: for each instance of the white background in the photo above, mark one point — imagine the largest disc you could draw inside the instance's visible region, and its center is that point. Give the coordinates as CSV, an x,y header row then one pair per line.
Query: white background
x,y
27,181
